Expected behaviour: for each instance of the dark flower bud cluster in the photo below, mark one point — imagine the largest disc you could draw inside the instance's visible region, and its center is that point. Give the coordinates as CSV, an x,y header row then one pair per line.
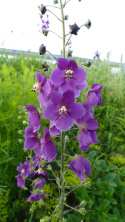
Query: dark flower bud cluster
x,y
97,55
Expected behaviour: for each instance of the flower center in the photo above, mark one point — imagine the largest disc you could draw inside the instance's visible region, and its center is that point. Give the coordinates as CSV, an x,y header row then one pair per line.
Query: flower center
x,y
23,171
36,87
40,169
69,74
63,110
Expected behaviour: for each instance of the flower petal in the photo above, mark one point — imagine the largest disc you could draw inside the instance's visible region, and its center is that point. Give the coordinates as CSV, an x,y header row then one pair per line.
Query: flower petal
x,y
39,77
56,98
57,77
64,123
79,75
76,110
51,112
91,124
62,63
49,151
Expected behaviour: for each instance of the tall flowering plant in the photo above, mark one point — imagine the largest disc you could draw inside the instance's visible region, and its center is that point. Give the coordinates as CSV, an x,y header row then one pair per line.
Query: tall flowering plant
x,y
58,102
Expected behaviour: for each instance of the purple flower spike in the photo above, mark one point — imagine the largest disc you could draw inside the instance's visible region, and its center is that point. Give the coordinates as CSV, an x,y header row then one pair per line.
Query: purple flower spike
x,y
32,141
20,181
63,110
34,117
43,87
36,197
48,149
68,75
80,166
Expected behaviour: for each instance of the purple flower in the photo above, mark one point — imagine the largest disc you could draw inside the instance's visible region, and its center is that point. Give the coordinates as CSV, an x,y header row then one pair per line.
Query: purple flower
x,y
36,197
68,75
53,130
20,181
48,149
32,141
80,166
24,169
94,97
88,113
97,55
43,87
63,110
39,174
33,117
88,134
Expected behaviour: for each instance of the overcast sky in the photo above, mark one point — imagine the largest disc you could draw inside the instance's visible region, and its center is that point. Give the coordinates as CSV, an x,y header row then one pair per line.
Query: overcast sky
x,y
19,21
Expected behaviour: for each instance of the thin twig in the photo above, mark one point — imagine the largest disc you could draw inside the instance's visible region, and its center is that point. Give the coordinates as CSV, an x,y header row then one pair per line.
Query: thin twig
x,y
55,15
52,55
55,34
52,6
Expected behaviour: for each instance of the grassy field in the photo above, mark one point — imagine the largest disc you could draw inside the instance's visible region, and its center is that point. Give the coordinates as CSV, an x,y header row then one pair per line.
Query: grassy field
x,y
105,197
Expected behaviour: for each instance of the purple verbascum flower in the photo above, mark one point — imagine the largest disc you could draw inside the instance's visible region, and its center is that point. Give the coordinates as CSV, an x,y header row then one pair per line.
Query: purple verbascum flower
x,y
20,181
36,197
24,169
63,110
94,97
87,114
34,117
39,174
43,87
68,75
53,130
80,166
32,141
48,149
88,134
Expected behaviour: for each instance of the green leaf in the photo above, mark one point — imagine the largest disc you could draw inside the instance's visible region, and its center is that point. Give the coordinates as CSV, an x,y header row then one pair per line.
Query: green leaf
x,y
109,177
105,203
122,189
103,164
112,167
91,154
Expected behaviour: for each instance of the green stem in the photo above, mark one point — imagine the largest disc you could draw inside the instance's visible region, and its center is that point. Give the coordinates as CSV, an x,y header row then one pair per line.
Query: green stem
x,y
63,133
62,176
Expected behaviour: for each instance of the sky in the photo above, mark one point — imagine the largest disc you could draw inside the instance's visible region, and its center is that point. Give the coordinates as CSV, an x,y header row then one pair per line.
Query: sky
x,y
20,23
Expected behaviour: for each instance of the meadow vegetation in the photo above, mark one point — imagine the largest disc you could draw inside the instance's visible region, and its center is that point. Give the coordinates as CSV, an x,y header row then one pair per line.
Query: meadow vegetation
x,y
104,191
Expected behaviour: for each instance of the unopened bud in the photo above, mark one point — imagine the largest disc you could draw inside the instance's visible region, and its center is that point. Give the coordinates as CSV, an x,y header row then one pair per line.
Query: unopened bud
x,y
88,24
55,1
49,167
74,29
69,53
20,140
19,117
24,122
66,17
42,50
45,66
20,131
43,9
87,63
45,32
66,138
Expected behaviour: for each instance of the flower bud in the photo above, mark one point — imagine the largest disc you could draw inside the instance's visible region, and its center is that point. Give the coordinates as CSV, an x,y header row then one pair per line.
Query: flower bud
x,y
69,53
88,24
55,1
43,9
42,50
87,63
74,29
45,32
45,66
66,17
